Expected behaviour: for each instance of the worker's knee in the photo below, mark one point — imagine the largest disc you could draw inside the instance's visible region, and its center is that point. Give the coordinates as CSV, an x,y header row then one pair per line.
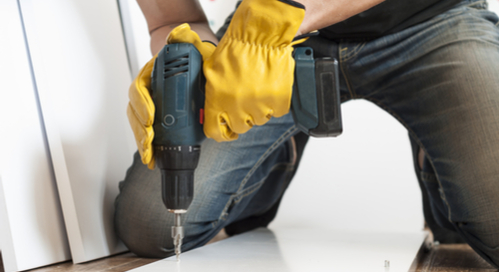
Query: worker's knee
x,y
477,222
484,233
141,220
478,218
143,223
482,237
143,230
150,236
147,242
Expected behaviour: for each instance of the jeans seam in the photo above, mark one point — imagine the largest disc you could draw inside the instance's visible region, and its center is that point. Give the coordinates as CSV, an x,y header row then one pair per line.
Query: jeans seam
x,y
348,83
236,198
238,193
275,145
427,176
248,191
414,135
354,52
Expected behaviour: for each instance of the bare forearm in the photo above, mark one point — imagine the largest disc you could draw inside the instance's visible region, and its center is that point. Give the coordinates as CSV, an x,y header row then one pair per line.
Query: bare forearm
x,y
163,16
323,13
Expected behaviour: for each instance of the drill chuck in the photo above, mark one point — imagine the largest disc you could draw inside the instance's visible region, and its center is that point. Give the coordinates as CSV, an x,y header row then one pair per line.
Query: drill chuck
x,y
177,192
177,165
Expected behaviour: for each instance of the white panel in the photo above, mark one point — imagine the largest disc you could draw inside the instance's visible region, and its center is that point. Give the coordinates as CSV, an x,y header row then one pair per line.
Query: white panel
x,y
299,250
82,75
32,232
136,33
362,180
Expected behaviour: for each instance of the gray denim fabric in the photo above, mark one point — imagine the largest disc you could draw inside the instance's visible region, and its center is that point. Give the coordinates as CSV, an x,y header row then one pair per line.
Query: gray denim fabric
x,y
439,79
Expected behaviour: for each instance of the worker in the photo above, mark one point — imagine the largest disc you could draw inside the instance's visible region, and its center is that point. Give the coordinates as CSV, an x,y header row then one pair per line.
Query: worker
x,y
432,64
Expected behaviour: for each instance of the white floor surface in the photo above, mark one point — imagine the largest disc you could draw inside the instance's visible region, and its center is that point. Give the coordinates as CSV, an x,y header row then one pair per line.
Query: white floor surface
x,y
299,250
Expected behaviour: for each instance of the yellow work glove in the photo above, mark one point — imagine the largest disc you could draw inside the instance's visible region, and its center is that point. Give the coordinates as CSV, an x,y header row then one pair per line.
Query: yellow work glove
x,y
250,74
141,110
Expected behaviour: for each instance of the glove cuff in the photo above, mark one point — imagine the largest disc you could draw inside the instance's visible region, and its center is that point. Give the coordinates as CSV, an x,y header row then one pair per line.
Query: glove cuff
x,y
293,3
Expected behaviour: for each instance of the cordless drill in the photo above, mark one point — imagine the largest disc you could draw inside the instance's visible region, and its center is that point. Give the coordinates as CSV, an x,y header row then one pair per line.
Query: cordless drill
x,y
178,94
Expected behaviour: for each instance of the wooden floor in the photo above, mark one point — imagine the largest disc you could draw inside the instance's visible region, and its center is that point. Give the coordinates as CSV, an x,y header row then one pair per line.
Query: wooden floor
x,y
436,258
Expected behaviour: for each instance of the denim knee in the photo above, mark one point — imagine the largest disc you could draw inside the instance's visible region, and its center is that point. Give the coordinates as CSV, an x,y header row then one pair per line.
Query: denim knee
x,y
482,236
152,240
143,223
140,216
150,236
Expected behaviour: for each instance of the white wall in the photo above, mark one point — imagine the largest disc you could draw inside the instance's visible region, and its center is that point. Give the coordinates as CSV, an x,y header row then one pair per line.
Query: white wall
x,y
362,180
81,70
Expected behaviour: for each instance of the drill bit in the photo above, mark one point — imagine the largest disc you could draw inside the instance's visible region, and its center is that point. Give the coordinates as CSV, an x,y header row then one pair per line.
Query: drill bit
x,y
177,234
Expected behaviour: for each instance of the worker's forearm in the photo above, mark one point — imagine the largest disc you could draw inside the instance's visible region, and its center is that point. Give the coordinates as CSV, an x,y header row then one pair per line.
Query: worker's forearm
x,y
163,16
323,13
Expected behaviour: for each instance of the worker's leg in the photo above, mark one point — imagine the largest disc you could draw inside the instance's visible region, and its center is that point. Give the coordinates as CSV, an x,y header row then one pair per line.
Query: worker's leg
x,y
228,176
440,80
442,230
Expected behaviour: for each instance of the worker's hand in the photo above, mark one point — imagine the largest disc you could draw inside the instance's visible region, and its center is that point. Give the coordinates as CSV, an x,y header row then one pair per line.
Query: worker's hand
x,y
141,110
250,74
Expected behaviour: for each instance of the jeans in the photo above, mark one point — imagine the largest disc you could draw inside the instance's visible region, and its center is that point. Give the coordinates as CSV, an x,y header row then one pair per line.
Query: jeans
x,y
439,79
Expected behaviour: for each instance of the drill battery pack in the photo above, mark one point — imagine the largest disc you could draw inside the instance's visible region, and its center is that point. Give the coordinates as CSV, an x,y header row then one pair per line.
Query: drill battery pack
x,y
316,94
